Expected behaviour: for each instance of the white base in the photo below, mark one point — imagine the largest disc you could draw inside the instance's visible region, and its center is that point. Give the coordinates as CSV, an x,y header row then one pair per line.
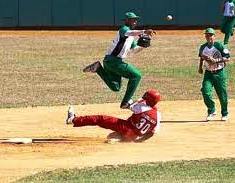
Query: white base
x,y
18,141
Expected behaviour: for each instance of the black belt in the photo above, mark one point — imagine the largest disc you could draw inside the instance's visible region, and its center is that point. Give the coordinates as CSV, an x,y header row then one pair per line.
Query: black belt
x,y
216,71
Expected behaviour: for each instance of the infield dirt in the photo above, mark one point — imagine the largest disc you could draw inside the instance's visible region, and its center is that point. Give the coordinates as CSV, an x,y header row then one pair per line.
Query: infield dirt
x,y
184,135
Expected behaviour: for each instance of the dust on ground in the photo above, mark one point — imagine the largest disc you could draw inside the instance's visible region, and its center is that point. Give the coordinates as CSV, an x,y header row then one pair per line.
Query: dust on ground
x,y
184,135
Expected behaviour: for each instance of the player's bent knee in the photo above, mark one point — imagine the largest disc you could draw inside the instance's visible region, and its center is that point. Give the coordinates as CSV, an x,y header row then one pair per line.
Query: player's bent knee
x,y
205,93
115,86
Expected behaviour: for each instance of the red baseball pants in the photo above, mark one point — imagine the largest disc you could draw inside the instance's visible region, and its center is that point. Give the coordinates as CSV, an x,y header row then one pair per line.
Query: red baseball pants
x,y
121,126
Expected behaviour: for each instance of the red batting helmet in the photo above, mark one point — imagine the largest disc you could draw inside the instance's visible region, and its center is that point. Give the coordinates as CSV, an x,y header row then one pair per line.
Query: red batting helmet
x,y
152,97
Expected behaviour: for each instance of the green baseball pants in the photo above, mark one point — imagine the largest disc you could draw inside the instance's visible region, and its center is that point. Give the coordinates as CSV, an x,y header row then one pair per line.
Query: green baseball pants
x,y
112,72
218,80
227,28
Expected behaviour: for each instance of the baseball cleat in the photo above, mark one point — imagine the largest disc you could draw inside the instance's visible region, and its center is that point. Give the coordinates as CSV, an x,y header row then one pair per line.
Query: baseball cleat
x,y
92,67
126,105
225,118
70,116
211,116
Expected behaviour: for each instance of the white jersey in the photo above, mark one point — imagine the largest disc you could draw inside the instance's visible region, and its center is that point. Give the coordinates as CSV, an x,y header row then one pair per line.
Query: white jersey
x,y
229,9
216,51
211,53
122,43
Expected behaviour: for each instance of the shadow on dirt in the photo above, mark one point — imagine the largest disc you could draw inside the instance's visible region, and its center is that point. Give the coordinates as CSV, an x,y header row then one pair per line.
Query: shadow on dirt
x,y
189,121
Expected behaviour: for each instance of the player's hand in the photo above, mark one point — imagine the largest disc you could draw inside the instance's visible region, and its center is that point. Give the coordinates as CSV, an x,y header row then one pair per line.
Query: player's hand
x,y
200,70
150,32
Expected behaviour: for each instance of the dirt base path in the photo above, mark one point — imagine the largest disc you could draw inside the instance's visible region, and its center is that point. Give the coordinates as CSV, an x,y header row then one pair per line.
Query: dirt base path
x,y
183,135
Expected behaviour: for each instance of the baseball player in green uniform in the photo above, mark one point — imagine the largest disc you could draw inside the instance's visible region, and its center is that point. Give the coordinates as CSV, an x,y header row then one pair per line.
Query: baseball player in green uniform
x,y
115,65
213,56
228,20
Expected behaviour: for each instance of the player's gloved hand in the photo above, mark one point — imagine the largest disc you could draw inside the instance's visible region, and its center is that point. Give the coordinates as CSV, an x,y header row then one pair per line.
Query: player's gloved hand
x,y
144,41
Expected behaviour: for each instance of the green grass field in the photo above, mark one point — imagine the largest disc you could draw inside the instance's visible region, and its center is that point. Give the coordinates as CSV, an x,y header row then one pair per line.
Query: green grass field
x,y
42,70
209,170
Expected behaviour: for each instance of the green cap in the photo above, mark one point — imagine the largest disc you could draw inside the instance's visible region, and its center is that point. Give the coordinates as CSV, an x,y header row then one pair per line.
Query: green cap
x,y
210,31
129,15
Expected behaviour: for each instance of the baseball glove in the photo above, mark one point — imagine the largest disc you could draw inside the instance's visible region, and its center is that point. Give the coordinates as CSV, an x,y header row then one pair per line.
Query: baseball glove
x,y
144,41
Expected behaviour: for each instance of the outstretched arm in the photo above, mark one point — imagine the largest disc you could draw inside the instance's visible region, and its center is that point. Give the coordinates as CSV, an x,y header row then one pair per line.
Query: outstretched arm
x,y
200,70
149,32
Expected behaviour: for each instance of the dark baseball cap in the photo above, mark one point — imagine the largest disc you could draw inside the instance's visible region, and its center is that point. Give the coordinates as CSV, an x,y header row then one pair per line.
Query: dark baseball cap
x,y
131,15
209,31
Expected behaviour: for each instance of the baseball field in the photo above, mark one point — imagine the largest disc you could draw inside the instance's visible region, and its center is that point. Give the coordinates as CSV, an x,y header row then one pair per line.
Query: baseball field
x,y
40,75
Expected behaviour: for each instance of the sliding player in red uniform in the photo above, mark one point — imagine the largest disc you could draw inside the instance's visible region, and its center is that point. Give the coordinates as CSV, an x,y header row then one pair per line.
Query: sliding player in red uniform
x,y
139,127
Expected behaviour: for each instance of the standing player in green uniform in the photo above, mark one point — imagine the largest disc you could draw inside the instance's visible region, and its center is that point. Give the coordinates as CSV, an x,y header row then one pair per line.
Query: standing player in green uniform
x,y
213,55
228,20
114,64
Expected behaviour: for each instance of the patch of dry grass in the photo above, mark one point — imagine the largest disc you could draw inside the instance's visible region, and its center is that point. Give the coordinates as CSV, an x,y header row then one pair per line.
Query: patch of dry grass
x,y
45,69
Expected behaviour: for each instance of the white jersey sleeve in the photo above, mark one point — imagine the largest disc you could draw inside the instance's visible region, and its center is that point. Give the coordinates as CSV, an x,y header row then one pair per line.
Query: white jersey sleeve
x,y
139,106
134,32
122,43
